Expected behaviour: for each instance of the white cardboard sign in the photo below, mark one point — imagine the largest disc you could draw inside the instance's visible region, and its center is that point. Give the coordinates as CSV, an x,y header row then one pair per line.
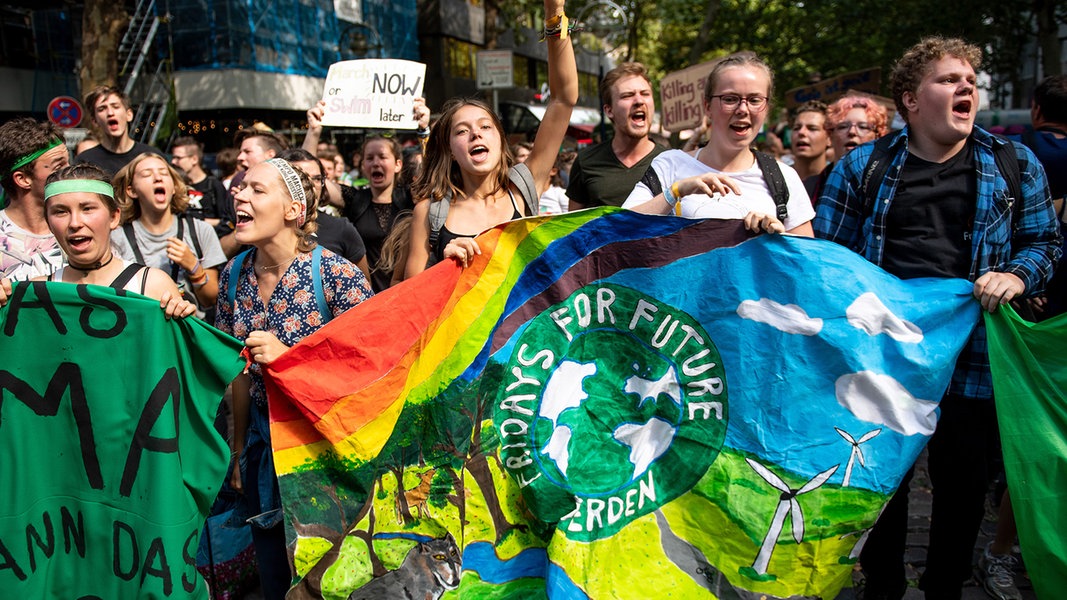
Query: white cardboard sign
x,y
374,92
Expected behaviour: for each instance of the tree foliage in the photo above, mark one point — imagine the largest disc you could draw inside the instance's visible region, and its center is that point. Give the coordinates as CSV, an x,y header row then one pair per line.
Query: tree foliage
x,y
804,38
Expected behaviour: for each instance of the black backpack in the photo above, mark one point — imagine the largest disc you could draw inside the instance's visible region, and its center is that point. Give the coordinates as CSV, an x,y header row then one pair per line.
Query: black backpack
x,y
772,175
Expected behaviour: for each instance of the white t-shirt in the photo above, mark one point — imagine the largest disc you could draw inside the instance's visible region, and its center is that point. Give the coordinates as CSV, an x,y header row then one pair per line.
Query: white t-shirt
x,y
554,201
673,165
25,255
154,247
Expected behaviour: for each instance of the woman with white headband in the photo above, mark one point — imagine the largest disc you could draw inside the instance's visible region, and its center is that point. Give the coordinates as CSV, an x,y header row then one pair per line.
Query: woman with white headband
x,y
81,212
272,296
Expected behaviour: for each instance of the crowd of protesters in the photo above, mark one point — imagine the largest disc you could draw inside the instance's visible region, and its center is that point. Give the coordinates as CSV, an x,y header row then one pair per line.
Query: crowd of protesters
x,y
244,246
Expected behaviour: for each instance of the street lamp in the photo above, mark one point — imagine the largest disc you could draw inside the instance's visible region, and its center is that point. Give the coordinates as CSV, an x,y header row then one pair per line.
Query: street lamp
x,y
603,19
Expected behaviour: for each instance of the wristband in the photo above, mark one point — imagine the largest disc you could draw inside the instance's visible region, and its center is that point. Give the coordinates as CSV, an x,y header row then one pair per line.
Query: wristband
x,y
669,195
203,282
423,133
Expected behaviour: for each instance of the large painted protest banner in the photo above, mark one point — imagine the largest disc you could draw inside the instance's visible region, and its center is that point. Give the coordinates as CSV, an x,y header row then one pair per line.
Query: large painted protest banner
x,y
1030,383
611,405
111,461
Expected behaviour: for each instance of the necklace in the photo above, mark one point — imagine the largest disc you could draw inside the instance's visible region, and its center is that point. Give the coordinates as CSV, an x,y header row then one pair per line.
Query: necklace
x,y
266,268
99,265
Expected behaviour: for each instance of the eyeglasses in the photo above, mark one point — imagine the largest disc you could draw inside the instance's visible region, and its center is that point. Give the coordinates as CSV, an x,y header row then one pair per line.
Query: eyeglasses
x,y
844,126
732,101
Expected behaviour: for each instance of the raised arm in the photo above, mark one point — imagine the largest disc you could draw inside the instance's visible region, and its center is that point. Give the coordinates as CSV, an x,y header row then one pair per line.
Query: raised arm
x,y
419,243
314,134
563,90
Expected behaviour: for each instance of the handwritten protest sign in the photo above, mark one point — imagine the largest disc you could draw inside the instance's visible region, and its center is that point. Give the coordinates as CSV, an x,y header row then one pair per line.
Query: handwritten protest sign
x,y
111,462
682,96
377,93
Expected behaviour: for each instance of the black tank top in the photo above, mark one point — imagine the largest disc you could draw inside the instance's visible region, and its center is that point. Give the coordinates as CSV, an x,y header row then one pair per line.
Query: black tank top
x,y
446,235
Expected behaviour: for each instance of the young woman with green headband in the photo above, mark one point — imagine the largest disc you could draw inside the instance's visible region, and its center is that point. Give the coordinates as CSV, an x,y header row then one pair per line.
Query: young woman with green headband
x,y
81,211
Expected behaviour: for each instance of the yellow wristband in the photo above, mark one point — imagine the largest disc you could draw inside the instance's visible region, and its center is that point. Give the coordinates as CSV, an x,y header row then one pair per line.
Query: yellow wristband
x,y
563,27
551,23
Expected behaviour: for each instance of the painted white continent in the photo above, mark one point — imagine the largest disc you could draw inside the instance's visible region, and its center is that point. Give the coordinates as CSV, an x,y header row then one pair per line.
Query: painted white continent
x,y
564,390
557,447
648,389
647,442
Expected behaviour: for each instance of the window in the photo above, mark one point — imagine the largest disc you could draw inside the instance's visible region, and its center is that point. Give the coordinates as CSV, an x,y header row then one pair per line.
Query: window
x,y
459,59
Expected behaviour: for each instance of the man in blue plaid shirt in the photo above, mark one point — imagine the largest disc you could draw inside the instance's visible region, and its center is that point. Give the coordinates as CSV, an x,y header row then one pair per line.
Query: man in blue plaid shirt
x,y
944,210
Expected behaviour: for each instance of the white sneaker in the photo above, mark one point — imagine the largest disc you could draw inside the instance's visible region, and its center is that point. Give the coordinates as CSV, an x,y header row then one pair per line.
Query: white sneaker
x,y
997,572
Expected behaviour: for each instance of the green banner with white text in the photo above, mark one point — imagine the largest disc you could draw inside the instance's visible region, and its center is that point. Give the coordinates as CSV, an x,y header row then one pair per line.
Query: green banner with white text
x,y
111,461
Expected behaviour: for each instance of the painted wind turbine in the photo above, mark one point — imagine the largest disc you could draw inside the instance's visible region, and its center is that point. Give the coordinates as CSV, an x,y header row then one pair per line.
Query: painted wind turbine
x,y
856,452
787,505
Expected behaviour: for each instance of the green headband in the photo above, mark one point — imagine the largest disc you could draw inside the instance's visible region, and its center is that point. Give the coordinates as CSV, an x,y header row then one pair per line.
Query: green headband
x,y
32,156
66,186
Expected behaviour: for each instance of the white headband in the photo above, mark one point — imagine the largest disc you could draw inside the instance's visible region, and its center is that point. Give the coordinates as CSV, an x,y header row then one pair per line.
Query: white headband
x,y
296,189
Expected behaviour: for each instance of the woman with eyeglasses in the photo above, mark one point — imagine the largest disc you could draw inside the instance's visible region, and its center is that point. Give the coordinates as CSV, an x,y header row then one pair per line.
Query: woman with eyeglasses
x,y
855,120
723,179
851,120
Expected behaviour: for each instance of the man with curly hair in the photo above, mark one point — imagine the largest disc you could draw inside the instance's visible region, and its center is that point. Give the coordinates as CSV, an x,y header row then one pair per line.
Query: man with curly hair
x,y
944,210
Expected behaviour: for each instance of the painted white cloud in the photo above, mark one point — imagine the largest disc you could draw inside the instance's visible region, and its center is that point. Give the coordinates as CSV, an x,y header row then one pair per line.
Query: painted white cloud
x,y
869,314
883,400
789,318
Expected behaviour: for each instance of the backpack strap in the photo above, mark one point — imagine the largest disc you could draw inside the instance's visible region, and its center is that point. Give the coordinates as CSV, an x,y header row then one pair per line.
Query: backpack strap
x,y
316,279
772,175
651,179
874,172
1008,165
131,237
437,215
194,235
1007,160
523,179
235,278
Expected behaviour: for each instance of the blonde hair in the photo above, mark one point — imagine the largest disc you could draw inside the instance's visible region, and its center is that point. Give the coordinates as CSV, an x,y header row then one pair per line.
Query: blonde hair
x,y
131,207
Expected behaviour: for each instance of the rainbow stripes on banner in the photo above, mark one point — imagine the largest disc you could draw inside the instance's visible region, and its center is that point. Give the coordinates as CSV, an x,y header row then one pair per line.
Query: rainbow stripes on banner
x,y
607,404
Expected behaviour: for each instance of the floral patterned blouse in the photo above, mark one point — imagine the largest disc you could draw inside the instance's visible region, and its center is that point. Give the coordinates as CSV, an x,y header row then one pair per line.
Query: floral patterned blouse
x,y
291,315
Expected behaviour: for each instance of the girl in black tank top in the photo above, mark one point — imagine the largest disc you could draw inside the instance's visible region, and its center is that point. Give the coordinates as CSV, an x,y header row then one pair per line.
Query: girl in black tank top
x,y
468,164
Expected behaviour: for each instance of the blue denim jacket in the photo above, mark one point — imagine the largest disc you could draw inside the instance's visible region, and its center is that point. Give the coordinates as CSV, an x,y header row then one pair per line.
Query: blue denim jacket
x,y
1011,235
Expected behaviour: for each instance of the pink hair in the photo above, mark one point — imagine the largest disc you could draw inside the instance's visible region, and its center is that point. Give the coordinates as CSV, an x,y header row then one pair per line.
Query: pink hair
x,y
877,115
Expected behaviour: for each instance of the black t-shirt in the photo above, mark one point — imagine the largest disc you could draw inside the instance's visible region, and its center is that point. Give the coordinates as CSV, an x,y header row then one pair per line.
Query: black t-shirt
x,y
598,178
111,162
931,218
340,237
208,199
360,210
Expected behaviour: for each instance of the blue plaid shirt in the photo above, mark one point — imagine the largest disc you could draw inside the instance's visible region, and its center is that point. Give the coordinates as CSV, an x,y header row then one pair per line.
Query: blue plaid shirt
x,y
1019,237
